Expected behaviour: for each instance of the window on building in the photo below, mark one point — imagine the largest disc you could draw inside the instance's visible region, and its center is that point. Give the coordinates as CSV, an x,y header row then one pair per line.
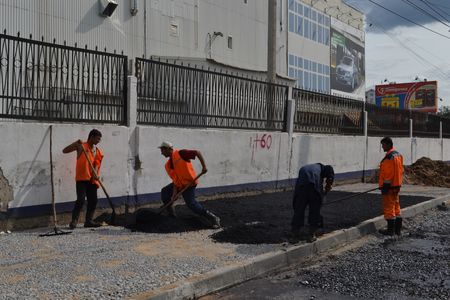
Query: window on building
x,y
230,42
292,5
291,22
299,25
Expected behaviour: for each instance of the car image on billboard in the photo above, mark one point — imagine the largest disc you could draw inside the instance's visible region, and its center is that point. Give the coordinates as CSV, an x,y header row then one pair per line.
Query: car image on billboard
x,y
347,76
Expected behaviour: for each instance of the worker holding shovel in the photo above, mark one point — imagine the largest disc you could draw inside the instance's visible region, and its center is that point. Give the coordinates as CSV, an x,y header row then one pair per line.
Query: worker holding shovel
x,y
390,181
86,180
309,192
180,169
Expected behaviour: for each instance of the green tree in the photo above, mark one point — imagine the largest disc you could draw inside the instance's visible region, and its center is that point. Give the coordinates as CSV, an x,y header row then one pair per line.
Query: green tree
x,y
444,111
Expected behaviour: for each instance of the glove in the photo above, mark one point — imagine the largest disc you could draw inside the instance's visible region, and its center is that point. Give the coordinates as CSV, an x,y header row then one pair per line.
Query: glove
x,y
385,188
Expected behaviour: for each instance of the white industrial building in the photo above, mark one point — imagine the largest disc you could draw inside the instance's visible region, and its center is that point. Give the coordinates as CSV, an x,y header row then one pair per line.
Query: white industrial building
x,y
225,33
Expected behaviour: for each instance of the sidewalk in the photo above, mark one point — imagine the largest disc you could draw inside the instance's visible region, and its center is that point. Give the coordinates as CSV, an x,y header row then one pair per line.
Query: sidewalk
x,y
114,262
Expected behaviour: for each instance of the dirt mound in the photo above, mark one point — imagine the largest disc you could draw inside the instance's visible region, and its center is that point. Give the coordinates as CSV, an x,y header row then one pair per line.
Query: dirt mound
x,y
428,172
424,171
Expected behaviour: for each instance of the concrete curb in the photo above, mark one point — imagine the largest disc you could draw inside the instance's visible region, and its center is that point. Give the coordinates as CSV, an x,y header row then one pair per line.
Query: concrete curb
x,y
227,276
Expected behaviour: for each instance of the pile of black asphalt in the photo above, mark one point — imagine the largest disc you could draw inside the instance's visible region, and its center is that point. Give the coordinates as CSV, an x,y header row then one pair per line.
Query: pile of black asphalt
x,y
264,218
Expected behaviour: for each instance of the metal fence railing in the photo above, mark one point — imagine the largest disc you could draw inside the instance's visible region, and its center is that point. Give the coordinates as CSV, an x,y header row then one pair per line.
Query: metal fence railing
x,y
425,125
51,82
178,95
387,121
323,113
445,127
47,81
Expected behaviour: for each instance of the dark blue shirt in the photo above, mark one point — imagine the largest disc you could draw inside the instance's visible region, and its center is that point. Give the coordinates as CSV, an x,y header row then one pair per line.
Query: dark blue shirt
x,y
311,174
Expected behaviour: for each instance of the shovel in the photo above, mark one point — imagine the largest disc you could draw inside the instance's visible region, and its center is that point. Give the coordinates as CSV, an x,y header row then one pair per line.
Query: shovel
x,y
56,230
113,214
152,216
349,197
177,195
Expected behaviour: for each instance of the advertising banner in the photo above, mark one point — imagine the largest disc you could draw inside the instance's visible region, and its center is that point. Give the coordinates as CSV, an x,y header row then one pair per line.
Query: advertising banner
x,y
421,96
347,61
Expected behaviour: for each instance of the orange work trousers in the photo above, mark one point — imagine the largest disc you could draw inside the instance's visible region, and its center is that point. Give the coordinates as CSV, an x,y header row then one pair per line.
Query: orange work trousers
x,y
391,204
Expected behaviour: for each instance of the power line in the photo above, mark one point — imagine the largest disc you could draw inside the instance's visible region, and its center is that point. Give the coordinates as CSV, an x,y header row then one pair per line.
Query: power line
x,y
440,5
424,11
409,20
431,7
419,57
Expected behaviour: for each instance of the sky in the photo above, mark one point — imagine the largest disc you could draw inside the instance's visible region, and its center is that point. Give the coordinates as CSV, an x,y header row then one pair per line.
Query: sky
x,y
399,50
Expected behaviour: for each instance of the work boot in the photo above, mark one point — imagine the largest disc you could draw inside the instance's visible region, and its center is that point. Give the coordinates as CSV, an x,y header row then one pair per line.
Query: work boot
x,y
73,224
321,223
294,235
91,224
311,237
398,225
390,228
213,219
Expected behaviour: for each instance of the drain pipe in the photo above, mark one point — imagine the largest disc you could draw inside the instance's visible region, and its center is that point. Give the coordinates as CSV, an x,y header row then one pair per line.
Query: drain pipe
x,y
145,29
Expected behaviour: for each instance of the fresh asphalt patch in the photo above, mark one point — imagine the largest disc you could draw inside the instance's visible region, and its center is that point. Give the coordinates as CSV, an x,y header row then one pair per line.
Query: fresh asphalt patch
x,y
265,218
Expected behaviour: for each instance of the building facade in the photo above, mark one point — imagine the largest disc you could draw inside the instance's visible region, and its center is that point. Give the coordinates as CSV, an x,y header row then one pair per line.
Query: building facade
x,y
320,43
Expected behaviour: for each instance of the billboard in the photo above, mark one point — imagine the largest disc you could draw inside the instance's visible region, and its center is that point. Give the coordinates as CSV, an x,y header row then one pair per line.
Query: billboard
x,y
347,61
421,96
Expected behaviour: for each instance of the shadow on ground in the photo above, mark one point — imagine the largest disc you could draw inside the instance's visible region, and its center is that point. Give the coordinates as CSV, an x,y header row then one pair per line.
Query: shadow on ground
x,y
264,218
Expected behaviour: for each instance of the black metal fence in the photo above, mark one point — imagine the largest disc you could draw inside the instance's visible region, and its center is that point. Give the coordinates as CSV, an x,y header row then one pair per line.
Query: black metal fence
x,y
46,81
383,121
178,95
322,113
51,82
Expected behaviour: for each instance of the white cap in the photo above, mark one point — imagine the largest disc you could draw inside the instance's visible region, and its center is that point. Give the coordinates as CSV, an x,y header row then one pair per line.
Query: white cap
x,y
166,144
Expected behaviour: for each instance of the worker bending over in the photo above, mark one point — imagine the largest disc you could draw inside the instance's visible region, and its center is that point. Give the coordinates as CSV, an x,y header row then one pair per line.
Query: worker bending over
x,y
180,170
390,182
309,192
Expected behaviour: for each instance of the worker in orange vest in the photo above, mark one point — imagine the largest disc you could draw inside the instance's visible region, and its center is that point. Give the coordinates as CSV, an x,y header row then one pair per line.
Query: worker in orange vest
x,y
180,169
390,182
86,181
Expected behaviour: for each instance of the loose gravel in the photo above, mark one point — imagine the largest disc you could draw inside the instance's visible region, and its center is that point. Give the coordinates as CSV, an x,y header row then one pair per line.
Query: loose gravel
x,y
416,266
112,262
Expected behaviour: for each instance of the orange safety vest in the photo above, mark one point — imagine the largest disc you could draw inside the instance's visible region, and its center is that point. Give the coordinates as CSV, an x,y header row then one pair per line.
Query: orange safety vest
x,y
183,172
83,169
391,169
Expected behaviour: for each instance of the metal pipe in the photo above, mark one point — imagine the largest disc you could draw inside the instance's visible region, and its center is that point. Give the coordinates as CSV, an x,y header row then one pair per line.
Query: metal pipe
x,y
133,9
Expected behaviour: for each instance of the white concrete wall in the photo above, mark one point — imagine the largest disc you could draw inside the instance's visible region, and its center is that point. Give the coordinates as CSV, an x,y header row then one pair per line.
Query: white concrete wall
x,y
25,160
344,153
232,157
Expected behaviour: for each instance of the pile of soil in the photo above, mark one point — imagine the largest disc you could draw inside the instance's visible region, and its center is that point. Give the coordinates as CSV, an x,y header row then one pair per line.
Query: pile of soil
x,y
424,171
430,172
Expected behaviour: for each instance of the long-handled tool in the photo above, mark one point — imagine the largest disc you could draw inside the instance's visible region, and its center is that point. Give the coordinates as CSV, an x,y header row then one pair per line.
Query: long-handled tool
x,y
151,217
178,194
56,230
351,196
113,214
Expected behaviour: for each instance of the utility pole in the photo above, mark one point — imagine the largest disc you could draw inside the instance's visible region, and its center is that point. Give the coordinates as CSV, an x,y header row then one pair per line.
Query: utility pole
x,y
271,61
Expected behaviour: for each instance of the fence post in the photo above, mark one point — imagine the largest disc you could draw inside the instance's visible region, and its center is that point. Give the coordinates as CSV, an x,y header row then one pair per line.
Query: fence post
x,y
290,113
441,138
411,138
131,120
366,146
